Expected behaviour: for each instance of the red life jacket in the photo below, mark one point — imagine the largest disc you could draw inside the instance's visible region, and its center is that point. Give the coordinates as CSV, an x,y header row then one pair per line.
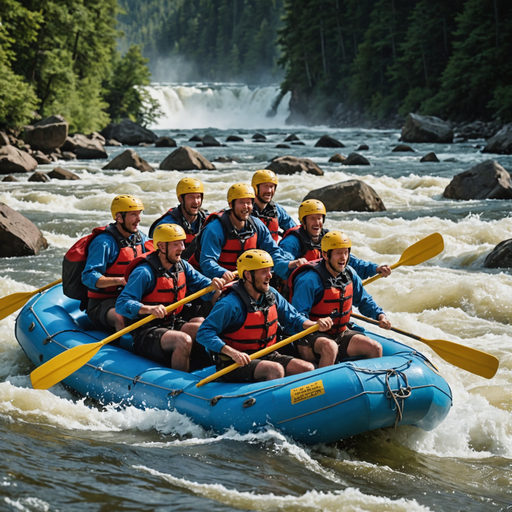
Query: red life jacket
x,y
308,249
338,293
179,218
236,243
269,217
75,260
260,326
170,287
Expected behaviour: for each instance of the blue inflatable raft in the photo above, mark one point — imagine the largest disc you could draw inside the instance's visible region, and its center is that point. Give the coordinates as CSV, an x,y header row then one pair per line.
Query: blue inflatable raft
x,y
322,406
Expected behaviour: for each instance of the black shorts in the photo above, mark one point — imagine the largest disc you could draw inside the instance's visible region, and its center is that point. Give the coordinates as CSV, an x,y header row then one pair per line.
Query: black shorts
x,y
246,373
97,310
343,339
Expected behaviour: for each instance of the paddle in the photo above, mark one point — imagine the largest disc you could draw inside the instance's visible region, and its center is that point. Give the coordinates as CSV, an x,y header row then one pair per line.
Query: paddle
x,y
63,365
15,301
260,353
417,253
470,359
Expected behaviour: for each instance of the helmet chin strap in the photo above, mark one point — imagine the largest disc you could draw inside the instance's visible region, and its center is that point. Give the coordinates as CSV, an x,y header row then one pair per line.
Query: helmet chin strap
x,y
253,282
123,224
167,254
329,263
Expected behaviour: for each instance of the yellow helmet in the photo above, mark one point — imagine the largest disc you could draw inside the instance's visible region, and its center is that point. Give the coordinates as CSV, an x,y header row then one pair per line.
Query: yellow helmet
x,y
311,207
125,203
189,186
264,176
253,259
168,233
240,191
335,240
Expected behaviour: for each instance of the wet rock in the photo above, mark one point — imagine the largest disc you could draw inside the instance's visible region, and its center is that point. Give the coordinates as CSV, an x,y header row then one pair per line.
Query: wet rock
x,y
476,130
185,159
60,173
291,138
501,143
283,146
129,133
352,195
402,148
234,138
165,142
97,136
40,157
430,157
426,129
10,177
224,160
88,149
298,143
500,256
18,235
114,142
363,147
68,155
337,158
259,136
47,134
326,141
487,180
195,138
128,158
13,160
355,159
209,141
39,177
292,165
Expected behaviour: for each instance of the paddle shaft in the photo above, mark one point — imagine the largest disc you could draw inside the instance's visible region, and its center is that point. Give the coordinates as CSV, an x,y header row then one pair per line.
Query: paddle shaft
x,y
258,354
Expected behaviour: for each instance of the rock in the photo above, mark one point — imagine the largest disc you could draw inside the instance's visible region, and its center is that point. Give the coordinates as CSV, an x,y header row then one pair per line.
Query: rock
x,y
355,159
185,159
209,141
165,142
129,133
68,155
88,149
426,129
292,137
363,147
259,136
476,130
224,160
114,142
259,140
18,235
501,143
97,136
352,195
9,177
326,141
128,158
4,139
234,138
13,160
40,157
69,144
488,180
500,256
402,148
47,134
62,174
337,158
195,138
283,146
298,143
292,165
39,177
430,157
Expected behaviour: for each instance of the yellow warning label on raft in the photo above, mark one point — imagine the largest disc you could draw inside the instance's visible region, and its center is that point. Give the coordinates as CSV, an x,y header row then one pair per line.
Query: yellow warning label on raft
x,y
307,392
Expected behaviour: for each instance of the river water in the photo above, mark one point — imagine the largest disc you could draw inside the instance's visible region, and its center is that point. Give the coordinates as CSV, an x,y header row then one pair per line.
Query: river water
x,y
60,452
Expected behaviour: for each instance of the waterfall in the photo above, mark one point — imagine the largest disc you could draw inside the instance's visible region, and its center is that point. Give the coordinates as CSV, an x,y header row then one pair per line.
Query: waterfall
x,y
219,105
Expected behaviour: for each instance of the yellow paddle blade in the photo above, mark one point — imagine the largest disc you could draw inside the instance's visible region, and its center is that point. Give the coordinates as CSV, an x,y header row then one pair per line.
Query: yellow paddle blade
x,y
15,301
417,253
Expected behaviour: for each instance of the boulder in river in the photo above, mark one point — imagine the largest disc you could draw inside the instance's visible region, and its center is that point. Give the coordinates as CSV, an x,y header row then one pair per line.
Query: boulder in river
x,y
59,173
129,133
39,177
165,142
291,138
426,129
40,157
234,138
429,157
500,256
185,159
355,159
501,142
326,141
292,165
337,158
13,160
88,149
352,195
47,134
128,158
487,180
210,141
402,148
18,235
9,177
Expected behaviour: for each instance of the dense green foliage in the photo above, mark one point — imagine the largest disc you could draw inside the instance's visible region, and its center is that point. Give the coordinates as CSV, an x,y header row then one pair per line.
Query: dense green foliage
x,y
439,57
60,57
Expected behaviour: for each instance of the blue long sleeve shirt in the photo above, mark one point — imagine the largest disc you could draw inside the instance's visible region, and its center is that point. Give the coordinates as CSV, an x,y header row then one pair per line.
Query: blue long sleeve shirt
x,y
309,291
230,312
283,219
143,279
101,254
169,219
214,238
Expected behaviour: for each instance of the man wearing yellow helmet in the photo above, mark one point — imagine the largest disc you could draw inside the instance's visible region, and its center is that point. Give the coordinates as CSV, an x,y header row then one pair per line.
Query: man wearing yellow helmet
x,y
188,214
245,320
303,241
228,233
330,286
274,216
108,254
154,281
